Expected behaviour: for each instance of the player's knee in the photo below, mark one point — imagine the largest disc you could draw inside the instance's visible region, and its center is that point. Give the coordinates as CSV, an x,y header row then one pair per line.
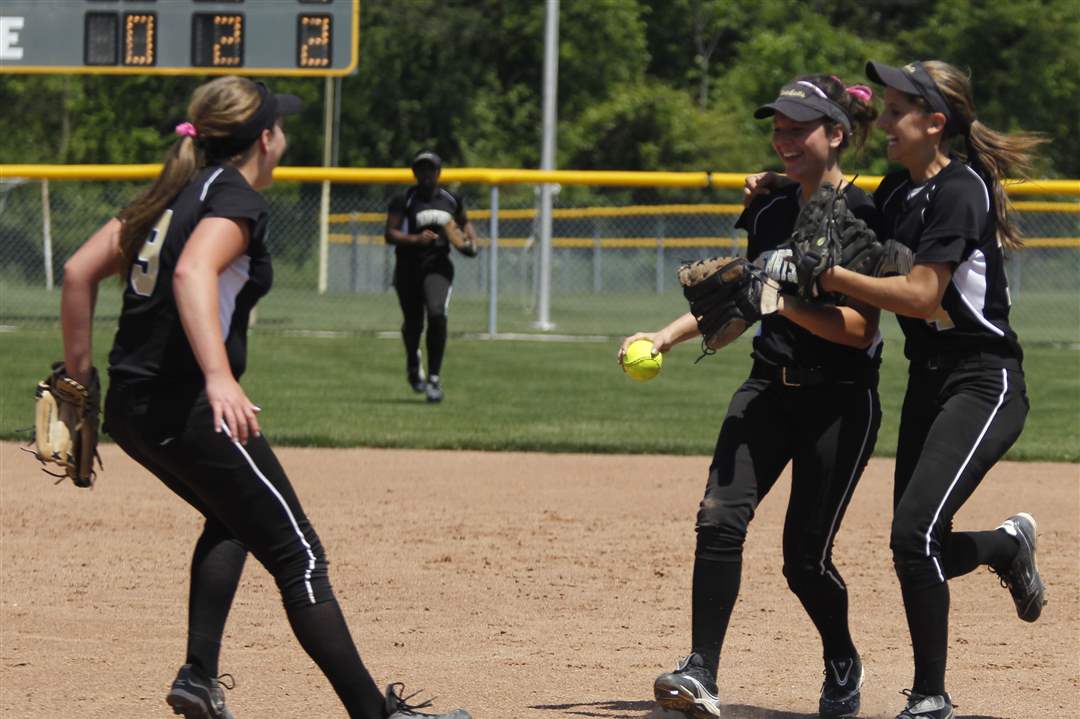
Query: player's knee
x,y
719,539
807,576
302,573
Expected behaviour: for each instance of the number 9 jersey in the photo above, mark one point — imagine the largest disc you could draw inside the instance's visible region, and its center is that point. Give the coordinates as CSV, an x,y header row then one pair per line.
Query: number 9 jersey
x,y
150,341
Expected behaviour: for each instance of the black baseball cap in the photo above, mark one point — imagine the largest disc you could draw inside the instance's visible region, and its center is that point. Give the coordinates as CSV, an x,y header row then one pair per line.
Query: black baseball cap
x,y
804,101
912,79
429,157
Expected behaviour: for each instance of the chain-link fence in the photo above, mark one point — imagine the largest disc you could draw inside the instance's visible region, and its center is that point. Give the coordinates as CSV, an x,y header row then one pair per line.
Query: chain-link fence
x,y
612,267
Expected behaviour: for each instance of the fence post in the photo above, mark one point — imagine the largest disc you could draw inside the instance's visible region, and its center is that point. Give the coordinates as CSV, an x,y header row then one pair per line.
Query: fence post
x,y
493,262
46,231
597,258
354,257
659,254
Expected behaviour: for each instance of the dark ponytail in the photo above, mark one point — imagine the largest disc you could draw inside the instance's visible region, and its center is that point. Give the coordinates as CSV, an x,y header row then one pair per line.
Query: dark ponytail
x,y
855,100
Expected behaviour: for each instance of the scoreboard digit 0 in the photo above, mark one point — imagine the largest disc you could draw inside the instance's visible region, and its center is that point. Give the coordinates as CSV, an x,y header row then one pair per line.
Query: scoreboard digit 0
x,y
180,37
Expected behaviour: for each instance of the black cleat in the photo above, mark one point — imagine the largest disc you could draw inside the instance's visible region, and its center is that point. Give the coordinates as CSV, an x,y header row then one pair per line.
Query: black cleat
x,y
398,708
840,690
434,389
1021,576
197,696
416,379
690,689
919,706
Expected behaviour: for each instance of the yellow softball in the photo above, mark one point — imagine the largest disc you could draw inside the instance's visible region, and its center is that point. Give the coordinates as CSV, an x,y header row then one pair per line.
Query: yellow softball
x,y
639,362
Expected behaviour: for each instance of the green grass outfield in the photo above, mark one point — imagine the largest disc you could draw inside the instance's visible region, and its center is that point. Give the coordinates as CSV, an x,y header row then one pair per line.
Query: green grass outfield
x,y
523,395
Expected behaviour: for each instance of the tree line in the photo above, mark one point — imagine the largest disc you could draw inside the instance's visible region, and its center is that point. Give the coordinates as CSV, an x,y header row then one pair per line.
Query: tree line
x,y
643,84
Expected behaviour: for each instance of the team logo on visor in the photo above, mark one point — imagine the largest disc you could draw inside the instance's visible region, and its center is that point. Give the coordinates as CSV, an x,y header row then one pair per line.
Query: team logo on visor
x,y
793,93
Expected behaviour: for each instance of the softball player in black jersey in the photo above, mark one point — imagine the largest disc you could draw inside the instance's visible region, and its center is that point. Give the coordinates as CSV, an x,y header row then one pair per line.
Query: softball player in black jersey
x,y
811,399
423,273
966,400
192,250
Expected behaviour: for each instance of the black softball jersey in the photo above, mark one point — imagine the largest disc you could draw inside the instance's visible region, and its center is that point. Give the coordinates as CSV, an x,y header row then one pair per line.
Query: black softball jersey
x,y
950,219
420,213
150,341
769,221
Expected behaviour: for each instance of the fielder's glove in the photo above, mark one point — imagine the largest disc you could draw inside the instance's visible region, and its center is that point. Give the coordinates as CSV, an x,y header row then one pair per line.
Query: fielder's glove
x,y
457,237
828,235
66,425
727,295
443,223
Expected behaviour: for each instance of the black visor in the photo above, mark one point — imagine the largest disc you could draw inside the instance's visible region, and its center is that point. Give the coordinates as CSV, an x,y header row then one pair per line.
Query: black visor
x,y
270,109
804,101
912,79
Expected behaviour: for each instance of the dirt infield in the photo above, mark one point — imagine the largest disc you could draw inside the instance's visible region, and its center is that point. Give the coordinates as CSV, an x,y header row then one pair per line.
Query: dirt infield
x,y
520,586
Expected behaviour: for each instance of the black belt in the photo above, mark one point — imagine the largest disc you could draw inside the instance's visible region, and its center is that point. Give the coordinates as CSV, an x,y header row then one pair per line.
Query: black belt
x,y
812,376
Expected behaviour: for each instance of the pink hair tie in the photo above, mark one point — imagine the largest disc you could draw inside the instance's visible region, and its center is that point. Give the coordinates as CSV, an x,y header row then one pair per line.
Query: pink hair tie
x,y
186,129
862,92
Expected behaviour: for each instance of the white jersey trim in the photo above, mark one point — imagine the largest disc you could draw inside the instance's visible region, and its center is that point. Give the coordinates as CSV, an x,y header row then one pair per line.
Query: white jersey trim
x,y
763,209
230,282
209,181
982,183
970,282
892,194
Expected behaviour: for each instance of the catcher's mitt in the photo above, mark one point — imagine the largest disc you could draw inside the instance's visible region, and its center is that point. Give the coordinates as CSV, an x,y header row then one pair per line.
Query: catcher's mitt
x,y
828,235
66,425
726,295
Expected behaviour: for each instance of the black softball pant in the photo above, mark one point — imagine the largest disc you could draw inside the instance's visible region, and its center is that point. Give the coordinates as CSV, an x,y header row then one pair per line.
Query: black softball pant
x,y
955,424
424,291
249,505
828,433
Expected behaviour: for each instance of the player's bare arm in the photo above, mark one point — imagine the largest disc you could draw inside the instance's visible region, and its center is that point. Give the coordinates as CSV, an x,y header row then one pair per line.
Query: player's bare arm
x,y
213,246
397,236
851,326
679,330
917,294
97,259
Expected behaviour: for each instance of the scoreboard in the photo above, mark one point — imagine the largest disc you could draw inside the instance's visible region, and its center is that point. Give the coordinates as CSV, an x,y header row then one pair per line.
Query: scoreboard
x,y
180,37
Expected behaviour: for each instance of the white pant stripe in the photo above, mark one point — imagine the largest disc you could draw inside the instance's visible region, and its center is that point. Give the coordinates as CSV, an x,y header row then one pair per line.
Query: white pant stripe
x,y
285,506
848,489
989,421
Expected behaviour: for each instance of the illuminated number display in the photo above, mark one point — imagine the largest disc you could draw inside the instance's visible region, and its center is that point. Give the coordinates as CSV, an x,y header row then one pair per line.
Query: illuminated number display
x,y
180,37
217,40
314,40
140,34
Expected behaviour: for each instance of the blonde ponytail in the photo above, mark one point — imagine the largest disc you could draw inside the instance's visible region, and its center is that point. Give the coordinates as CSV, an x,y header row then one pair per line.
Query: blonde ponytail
x,y
999,155
216,109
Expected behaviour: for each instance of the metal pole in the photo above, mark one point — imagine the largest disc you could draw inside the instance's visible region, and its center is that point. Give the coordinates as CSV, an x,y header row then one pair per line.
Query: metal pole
x,y
324,199
547,157
46,230
660,255
493,262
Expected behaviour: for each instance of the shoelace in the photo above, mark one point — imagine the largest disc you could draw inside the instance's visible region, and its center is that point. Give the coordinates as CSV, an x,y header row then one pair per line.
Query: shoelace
x,y
398,690
1001,577
910,694
220,679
